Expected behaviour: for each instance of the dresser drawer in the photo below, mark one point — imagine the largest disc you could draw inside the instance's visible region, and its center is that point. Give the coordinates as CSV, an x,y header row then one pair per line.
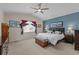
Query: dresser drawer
x,y
76,46
69,38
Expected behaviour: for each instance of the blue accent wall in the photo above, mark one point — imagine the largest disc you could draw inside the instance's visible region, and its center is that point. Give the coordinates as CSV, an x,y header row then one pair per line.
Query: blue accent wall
x,y
68,20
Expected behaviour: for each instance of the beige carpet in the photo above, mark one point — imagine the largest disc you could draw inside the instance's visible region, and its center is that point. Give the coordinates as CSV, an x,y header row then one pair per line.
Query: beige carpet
x,y
29,47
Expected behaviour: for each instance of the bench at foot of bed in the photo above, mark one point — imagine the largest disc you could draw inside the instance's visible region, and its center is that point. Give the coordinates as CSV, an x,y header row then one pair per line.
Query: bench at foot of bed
x,y
42,43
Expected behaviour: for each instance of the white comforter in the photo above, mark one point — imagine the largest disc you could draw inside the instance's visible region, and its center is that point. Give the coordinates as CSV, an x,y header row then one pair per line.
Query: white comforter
x,y
51,37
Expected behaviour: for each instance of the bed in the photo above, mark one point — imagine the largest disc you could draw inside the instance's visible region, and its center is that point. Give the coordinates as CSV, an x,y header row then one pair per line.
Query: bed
x,y
53,38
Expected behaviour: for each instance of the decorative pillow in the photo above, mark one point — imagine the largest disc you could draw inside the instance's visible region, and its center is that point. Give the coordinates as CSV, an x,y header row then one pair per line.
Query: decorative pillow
x,y
57,32
49,31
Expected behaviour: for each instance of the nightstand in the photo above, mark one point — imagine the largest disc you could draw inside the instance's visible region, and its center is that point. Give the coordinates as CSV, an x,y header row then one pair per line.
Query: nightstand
x,y
69,38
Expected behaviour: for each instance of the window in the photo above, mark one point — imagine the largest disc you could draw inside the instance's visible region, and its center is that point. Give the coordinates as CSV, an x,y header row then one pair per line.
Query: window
x,y
28,26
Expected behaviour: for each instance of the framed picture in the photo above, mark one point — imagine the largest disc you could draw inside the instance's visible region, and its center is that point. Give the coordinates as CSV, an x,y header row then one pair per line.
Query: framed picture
x,y
39,25
57,24
60,24
53,24
12,23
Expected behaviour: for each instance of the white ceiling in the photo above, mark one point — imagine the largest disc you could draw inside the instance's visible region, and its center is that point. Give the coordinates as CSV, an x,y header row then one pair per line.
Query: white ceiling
x,y
55,9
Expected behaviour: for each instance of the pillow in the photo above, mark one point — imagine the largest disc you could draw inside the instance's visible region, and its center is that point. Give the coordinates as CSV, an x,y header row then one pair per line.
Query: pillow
x,y
52,32
57,32
48,31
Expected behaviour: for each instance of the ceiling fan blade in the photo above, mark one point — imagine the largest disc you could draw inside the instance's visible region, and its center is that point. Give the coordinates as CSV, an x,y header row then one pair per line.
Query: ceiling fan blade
x,y
44,8
41,12
34,8
39,5
35,11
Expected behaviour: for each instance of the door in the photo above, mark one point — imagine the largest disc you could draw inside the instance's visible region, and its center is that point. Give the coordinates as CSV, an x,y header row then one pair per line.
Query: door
x,y
5,32
4,40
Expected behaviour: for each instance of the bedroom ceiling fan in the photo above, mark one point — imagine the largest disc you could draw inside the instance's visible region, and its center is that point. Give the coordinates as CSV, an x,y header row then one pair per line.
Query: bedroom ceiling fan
x,y
39,9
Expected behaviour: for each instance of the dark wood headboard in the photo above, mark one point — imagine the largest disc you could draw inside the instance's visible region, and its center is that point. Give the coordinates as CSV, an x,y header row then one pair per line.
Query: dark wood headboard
x,y
62,30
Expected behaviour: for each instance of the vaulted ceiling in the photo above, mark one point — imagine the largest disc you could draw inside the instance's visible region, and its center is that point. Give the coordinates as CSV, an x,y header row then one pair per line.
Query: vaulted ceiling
x,y
55,9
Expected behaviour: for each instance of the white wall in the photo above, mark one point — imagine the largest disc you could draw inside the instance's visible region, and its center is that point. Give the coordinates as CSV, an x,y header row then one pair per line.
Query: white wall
x,y
15,33
1,20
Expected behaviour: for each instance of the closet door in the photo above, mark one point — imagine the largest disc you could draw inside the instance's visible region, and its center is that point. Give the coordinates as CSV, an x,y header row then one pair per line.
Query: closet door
x,y
76,39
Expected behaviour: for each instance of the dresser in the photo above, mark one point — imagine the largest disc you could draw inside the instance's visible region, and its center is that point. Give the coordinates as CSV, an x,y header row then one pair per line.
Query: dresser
x,y
4,39
76,39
